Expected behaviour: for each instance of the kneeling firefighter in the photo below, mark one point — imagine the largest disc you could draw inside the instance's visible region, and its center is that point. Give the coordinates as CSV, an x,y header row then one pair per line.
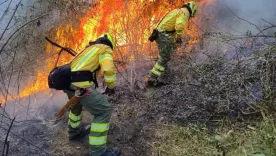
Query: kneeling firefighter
x,y
78,78
167,34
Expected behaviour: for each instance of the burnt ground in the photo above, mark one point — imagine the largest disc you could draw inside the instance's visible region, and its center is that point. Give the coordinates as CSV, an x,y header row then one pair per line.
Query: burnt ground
x,y
134,120
26,138
136,117
193,93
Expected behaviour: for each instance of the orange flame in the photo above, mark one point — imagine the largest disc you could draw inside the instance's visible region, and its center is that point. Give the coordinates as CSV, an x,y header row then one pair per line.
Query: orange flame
x,y
130,22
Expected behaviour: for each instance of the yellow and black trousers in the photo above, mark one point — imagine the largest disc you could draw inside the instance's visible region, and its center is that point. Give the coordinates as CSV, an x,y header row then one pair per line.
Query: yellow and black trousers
x,y
98,106
166,45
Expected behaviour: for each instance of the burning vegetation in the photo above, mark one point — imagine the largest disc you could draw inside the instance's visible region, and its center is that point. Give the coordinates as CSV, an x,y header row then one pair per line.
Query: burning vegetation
x,y
219,98
130,22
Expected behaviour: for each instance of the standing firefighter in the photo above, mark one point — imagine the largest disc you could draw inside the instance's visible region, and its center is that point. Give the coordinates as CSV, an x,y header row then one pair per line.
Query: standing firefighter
x,y
167,34
77,79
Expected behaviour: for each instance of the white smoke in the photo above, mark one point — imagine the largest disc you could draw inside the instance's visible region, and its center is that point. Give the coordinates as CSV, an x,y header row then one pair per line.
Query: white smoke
x,y
258,13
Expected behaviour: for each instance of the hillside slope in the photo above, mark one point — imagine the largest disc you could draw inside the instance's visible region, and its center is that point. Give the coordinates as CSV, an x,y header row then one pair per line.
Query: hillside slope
x,y
219,107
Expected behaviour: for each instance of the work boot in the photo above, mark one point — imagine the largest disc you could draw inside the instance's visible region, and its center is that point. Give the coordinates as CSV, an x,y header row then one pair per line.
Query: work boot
x,y
152,83
79,133
115,151
155,83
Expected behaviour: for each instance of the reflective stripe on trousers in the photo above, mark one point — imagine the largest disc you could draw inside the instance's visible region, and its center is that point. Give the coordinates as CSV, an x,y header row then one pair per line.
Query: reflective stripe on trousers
x,y
158,69
74,120
98,133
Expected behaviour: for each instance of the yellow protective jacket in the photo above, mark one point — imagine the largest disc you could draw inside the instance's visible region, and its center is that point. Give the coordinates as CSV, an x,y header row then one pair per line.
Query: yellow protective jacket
x,y
174,20
90,59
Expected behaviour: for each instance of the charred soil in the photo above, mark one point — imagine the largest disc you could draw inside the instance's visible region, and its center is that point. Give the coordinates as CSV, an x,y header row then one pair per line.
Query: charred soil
x,y
200,94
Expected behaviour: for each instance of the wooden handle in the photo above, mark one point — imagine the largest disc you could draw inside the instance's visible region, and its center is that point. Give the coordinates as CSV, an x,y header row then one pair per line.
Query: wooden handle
x,y
73,100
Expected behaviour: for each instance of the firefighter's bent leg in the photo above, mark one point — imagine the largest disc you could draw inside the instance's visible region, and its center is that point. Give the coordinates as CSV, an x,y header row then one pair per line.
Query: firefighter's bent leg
x,y
165,47
97,105
75,117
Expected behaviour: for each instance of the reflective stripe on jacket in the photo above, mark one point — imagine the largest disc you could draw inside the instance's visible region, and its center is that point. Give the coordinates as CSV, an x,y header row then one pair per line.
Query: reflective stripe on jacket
x,y
174,20
90,59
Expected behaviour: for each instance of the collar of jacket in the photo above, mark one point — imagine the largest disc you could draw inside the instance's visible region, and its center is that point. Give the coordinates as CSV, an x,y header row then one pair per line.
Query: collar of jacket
x,y
189,9
102,40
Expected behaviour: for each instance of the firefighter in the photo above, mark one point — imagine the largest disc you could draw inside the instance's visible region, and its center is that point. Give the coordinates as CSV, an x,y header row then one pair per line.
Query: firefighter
x,y
96,57
167,35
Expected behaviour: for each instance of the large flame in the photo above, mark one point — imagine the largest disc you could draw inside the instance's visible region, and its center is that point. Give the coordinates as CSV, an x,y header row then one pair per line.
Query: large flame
x,y
130,22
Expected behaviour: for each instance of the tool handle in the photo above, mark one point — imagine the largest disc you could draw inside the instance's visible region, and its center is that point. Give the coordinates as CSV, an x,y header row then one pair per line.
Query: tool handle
x,y
71,102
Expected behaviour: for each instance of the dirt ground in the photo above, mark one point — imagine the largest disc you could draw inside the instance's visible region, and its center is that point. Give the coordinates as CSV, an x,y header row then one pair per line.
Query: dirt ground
x,y
135,119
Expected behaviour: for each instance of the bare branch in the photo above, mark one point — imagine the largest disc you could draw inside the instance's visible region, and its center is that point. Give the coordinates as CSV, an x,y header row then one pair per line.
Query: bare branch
x,y
6,143
10,20
3,2
28,142
5,11
5,44
243,19
69,50
273,25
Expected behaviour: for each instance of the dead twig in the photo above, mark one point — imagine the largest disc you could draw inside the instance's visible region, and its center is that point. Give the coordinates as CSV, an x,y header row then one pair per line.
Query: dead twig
x,y
10,20
3,2
168,92
243,19
8,40
69,50
28,142
5,151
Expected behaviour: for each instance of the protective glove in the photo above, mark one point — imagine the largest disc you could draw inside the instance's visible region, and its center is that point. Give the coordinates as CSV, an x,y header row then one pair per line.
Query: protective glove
x,y
109,91
179,41
82,91
79,92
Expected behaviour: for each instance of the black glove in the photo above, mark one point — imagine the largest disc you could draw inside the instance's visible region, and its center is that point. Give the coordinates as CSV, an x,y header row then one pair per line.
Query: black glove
x,y
109,91
178,41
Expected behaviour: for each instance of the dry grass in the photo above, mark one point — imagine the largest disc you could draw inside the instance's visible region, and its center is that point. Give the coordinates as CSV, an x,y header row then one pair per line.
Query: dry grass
x,y
224,98
233,140
61,145
220,87
178,119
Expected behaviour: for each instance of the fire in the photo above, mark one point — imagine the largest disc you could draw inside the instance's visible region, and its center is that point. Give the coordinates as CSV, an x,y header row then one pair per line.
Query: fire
x,y
130,22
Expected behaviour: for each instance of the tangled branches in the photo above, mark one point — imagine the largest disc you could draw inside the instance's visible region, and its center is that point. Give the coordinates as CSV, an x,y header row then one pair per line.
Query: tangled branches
x,y
235,87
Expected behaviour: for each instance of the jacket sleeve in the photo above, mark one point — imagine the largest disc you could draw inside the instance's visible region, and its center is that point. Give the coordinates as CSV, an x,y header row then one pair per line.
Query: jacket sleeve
x,y
181,20
108,68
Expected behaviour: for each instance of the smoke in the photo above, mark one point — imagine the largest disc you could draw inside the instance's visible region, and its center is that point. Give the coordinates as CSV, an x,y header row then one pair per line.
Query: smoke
x,y
228,24
257,12
253,9
36,106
